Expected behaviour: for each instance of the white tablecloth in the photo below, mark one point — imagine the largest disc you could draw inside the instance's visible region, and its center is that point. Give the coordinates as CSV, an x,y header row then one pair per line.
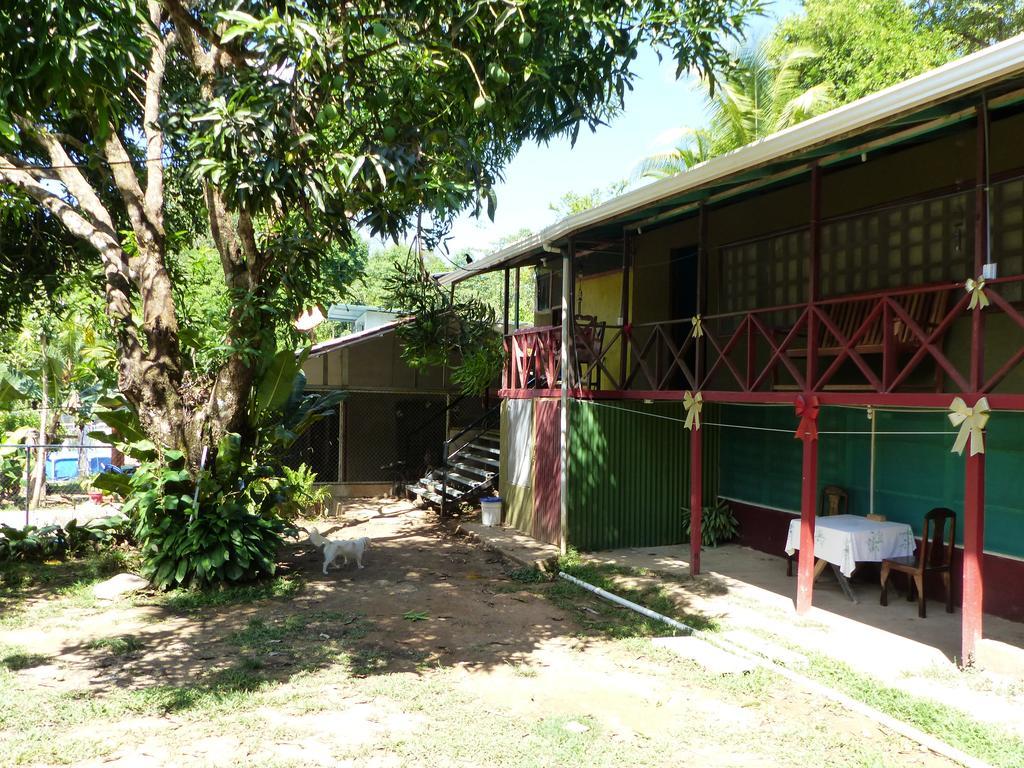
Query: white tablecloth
x,y
846,539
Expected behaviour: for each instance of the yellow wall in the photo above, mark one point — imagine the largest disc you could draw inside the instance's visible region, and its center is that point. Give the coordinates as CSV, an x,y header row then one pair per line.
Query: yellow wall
x,y
600,295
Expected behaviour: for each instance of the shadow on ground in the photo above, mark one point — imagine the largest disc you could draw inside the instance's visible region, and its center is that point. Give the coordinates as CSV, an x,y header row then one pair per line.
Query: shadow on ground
x,y
426,599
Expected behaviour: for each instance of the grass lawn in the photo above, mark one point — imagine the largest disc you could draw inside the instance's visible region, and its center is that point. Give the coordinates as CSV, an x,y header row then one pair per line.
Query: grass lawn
x,y
435,655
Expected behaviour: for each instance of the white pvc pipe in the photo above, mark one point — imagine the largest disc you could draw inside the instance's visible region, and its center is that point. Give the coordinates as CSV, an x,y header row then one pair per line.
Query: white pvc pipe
x,y
898,726
627,603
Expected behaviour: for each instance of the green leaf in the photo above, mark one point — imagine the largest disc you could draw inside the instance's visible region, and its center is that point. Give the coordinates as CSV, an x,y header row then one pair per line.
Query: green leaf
x,y
8,132
276,383
229,451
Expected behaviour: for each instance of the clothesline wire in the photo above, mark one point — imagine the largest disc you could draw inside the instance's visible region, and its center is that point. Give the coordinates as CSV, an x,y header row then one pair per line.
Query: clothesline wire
x,y
726,425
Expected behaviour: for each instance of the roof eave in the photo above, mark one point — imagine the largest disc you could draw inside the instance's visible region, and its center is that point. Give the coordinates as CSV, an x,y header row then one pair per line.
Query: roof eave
x,y
970,74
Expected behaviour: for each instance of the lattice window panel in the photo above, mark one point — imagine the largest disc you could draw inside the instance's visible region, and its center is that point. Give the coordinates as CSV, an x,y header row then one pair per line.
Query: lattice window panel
x,y
1007,228
923,242
764,273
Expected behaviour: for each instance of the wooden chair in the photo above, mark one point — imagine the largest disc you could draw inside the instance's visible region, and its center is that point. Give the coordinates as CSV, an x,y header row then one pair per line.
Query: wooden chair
x,y
589,345
834,501
935,556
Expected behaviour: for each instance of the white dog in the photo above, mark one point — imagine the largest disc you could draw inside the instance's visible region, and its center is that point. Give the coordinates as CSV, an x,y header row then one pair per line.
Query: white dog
x,y
345,548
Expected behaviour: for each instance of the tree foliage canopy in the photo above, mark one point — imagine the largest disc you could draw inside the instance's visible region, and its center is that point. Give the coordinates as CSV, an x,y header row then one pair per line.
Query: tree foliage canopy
x,y
863,46
973,24
278,127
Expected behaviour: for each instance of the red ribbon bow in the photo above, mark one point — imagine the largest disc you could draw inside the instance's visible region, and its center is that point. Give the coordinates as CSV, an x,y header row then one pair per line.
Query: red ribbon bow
x,y
807,409
627,330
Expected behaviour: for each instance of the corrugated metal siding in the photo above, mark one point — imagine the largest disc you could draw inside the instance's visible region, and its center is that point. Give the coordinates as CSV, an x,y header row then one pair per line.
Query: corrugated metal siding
x,y
547,474
516,424
629,473
914,471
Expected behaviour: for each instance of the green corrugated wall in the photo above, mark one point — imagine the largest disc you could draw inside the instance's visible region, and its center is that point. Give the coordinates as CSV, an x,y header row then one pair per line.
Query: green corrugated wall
x,y
629,473
913,473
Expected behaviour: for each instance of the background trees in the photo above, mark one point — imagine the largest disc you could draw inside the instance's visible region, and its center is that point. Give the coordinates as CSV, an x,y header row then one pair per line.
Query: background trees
x,y
862,46
762,93
831,53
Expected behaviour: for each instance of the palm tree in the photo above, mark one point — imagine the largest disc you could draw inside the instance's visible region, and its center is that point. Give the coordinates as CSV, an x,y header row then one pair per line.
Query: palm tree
x,y
760,95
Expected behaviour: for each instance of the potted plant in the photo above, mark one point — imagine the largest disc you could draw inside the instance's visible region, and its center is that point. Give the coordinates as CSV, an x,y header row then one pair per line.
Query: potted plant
x,y
718,524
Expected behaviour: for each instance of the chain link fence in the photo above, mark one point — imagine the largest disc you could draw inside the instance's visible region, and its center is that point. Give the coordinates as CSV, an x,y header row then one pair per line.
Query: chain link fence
x,y
43,484
383,437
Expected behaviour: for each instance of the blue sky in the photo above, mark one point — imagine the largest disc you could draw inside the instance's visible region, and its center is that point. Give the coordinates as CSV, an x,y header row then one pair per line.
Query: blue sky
x,y
540,175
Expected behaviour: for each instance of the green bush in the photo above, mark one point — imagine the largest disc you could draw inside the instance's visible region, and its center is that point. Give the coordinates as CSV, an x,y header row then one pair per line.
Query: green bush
x,y
12,463
718,525
34,544
305,497
221,528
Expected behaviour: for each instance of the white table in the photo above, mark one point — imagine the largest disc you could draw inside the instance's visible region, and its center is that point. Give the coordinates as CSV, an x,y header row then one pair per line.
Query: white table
x,y
845,540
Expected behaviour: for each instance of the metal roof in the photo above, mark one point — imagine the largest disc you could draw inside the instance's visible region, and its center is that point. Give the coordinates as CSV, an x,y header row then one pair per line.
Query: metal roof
x,y
349,313
829,132
356,338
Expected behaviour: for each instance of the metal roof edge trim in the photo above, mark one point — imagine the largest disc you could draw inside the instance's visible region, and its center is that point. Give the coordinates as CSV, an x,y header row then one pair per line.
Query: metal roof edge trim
x,y
330,345
965,74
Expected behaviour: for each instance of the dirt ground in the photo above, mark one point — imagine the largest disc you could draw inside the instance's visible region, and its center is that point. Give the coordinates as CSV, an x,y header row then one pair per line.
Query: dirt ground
x,y
433,654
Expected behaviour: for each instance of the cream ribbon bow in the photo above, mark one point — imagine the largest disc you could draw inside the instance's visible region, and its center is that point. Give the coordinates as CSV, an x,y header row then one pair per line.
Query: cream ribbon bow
x,y
976,287
972,422
697,330
692,403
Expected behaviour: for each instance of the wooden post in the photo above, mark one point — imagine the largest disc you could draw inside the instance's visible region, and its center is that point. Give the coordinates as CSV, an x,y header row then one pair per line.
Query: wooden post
x,y
702,278
517,298
624,311
974,541
696,501
974,481
568,255
814,278
980,245
808,505
504,325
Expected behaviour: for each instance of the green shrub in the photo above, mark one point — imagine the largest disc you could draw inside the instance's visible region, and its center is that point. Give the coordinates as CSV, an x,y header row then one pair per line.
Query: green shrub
x,y
305,498
33,544
12,463
218,529
718,524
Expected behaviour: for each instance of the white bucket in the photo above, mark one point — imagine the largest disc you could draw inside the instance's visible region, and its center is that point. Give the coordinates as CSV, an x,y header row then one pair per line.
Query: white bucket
x,y
490,510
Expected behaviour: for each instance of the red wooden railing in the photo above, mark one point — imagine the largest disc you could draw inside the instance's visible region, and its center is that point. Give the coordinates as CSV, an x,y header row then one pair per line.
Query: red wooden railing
x,y
881,342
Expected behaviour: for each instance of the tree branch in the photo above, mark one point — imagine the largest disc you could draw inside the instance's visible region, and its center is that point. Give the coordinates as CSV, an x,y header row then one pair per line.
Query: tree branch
x,y
127,183
186,24
192,28
113,258
71,177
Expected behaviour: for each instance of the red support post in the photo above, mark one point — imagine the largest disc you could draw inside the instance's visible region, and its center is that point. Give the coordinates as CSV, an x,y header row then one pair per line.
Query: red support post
x,y
814,279
981,225
974,543
974,480
699,345
696,501
808,506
